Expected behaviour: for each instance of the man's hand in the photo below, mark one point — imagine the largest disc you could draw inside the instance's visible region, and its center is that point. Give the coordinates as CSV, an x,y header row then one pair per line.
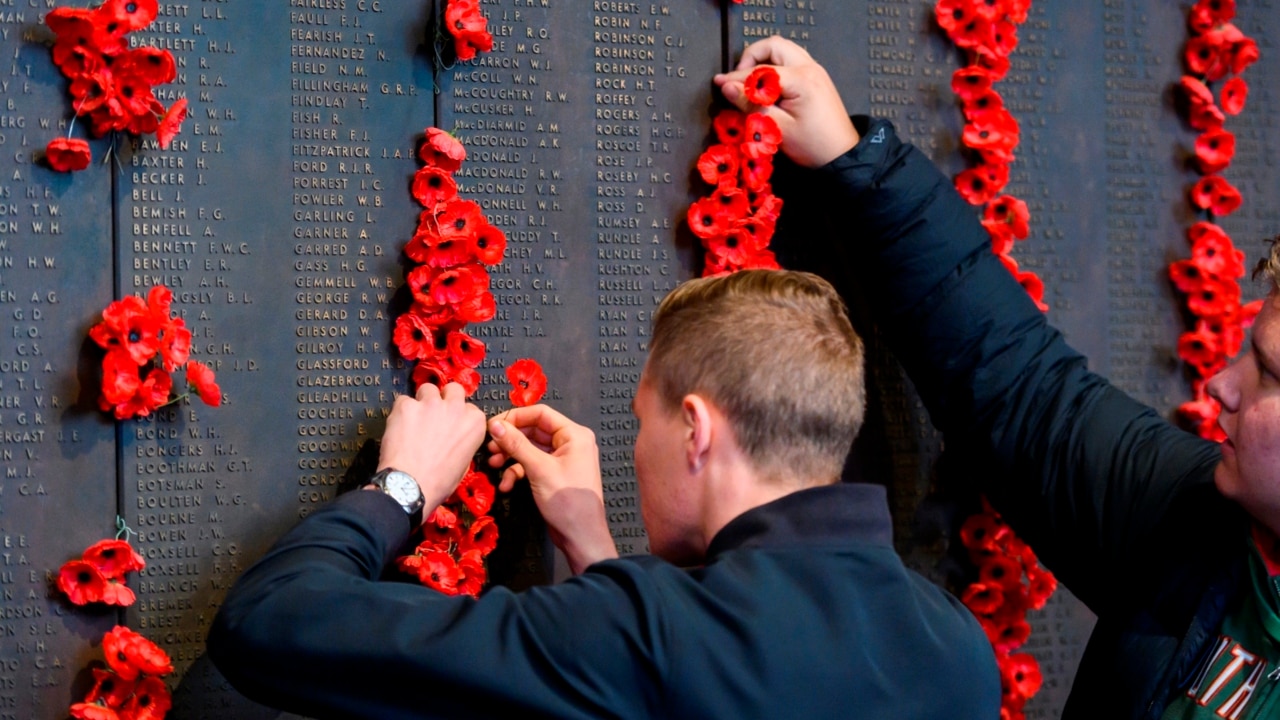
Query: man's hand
x,y
433,438
562,462
815,126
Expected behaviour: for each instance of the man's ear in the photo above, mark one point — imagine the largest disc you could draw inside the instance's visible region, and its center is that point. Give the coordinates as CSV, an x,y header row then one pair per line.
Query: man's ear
x,y
698,418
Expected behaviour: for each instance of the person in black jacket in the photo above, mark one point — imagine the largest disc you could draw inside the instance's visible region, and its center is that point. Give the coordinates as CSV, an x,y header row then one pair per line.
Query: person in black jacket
x,y
1168,538
799,606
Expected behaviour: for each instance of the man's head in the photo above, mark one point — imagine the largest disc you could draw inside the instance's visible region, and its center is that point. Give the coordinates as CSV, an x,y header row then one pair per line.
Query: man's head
x,y
1249,391
770,352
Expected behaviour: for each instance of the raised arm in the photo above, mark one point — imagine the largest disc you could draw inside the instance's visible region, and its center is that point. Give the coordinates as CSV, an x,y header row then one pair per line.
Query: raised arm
x,y
1098,483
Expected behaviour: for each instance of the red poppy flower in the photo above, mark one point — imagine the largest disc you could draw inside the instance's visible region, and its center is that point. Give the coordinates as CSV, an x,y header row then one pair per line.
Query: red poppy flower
x,y
1012,212
129,15
733,248
92,711
150,701
731,203
1020,675
973,33
1208,55
1203,113
989,60
464,350
477,309
767,209
1004,37
1016,10
970,81
118,594
67,154
1213,297
465,22
978,185
983,532
980,108
763,86
762,260
128,325
1007,633
459,219
1214,150
476,492
1041,584
995,131
82,582
1001,236
1209,14
1187,275
761,136
718,165
471,564
1000,570
706,219
458,284
432,186
1214,253
202,379
1234,94
482,536
439,252
109,689
413,337
442,150
982,598
528,382
130,654
113,558
79,36
1034,287
990,10
151,393
756,172
150,65
953,14
1215,194
1202,351
756,233
489,244
1243,54
439,571
729,124
1248,313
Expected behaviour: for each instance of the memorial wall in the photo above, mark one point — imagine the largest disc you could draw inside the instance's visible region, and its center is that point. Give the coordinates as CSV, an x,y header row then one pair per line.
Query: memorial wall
x,y
278,214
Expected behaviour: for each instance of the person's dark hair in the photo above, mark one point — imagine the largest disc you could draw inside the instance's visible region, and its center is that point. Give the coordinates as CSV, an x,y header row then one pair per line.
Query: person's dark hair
x,y
774,351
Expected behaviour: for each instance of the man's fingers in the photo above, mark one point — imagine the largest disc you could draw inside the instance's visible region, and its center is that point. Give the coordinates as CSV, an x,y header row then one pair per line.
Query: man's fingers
x,y
514,444
510,477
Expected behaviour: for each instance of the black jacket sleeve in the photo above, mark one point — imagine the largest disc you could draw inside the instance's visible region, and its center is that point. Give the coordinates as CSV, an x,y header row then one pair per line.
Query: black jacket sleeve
x,y
1097,482
309,628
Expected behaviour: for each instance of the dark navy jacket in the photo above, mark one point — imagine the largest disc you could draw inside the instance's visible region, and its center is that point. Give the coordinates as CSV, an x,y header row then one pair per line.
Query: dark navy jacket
x,y
1116,501
803,610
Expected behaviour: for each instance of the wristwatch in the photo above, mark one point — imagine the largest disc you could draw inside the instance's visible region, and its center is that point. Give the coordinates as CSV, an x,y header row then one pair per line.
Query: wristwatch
x,y
401,487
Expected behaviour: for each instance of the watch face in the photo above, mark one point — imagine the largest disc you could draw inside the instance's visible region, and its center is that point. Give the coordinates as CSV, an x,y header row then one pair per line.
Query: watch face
x,y
403,488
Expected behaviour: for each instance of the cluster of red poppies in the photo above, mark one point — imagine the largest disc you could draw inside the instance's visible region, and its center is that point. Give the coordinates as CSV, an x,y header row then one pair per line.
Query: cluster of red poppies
x,y
457,537
145,343
468,27
450,285
736,222
1010,582
988,31
1208,278
111,83
130,688
98,574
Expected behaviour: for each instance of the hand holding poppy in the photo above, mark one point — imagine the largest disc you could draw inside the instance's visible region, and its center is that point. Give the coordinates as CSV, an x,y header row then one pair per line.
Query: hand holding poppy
x,y
433,438
562,462
814,123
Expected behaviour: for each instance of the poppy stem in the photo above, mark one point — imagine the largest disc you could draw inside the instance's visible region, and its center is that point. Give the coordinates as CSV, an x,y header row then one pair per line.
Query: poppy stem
x,y
122,528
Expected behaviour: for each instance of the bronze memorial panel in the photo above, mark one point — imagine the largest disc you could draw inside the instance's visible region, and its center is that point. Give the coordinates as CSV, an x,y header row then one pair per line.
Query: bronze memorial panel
x,y
278,215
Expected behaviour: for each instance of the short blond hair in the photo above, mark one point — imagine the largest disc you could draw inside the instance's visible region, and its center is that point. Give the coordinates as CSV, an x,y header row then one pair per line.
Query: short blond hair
x,y
775,352
1269,266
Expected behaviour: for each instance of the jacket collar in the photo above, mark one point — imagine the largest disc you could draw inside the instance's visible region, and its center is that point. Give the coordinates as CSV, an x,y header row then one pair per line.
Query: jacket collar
x,y
831,514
